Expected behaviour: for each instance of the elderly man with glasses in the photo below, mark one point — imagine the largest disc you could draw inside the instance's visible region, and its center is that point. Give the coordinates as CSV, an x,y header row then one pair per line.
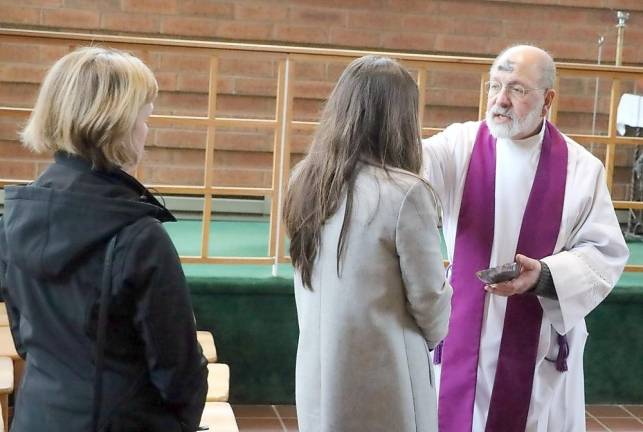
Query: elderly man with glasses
x,y
514,188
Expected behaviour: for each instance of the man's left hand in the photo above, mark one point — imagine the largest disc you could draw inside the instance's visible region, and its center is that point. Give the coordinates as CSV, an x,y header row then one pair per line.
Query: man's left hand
x,y
527,280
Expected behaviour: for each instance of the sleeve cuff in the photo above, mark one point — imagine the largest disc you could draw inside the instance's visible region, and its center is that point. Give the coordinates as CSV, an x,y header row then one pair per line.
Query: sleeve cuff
x,y
545,285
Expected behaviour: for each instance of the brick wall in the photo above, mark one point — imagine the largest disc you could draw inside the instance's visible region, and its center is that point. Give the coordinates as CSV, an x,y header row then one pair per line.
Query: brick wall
x,y
569,29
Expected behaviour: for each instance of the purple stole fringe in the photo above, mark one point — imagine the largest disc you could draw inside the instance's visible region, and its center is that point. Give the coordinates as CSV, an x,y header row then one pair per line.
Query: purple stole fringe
x,y
459,353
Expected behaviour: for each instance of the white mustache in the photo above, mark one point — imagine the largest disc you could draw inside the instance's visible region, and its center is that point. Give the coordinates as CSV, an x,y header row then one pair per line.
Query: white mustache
x,y
502,111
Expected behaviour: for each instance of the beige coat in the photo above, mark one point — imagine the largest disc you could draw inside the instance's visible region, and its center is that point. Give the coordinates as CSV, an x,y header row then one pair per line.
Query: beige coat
x,y
363,357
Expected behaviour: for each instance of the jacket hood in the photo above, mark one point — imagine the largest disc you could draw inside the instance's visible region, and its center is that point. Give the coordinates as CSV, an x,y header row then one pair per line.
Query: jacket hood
x,y
47,230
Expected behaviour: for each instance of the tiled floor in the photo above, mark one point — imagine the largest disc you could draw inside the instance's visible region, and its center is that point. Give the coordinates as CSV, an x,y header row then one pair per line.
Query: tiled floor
x,y
612,418
283,418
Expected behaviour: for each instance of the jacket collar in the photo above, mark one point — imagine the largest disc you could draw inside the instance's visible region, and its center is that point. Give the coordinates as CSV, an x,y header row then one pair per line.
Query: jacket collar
x,y
117,175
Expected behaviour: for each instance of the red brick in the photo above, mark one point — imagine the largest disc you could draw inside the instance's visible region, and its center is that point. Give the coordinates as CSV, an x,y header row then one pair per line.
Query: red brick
x,y
317,16
20,15
174,156
19,53
175,103
188,26
524,31
375,20
163,7
335,70
246,107
300,143
466,45
348,4
200,83
131,22
38,3
9,129
24,73
409,41
21,95
225,86
194,82
467,26
241,178
576,86
439,116
170,175
623,4
166,81
256,86
236,30
307,109
301,34
313,89
412,6
310,71
451,79
567,50
354,38
103,5
244,141
180,138
426,24
579,32
247,66
208,8
624,157
18,170
49,54
453,97
564,15
295,158
260,11
11,151
70,18
576,103
185,62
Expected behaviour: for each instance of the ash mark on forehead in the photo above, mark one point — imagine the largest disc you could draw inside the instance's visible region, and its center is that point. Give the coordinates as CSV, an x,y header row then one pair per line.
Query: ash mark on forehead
x,y
506,66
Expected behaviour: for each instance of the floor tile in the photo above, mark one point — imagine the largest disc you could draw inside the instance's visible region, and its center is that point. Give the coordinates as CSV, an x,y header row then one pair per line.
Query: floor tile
x,y
291,424
637,410
594,426
623,424
601,411
287,411
254,411
259,425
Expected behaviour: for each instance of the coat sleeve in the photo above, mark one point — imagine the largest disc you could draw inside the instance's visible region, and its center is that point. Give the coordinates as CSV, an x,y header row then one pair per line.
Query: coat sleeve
x,y
592,259
418,246
165,321
13,313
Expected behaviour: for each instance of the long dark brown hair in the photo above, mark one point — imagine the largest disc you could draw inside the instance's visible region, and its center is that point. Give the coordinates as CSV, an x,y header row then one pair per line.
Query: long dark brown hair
x,y
371,117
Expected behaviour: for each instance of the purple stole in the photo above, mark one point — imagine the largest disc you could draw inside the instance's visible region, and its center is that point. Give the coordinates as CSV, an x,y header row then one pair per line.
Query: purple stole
x,y
513,383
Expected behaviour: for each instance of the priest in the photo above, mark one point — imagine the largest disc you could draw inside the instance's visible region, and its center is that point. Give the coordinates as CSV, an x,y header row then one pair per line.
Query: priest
x,y
514,188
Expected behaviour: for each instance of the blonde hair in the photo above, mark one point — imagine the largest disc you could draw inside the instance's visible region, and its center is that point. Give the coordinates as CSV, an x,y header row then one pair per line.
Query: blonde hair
x,y
88,105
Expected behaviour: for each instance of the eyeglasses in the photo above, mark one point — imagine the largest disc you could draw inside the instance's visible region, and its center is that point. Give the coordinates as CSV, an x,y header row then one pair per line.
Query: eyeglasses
x,y
515,91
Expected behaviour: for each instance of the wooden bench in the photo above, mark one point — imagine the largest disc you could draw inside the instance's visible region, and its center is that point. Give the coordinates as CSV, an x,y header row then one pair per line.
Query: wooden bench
x,y
6,388
218,382
218,417
207,345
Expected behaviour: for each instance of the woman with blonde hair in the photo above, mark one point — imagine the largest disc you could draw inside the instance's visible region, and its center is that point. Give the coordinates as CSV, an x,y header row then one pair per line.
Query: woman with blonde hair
x,y
370,290
95,293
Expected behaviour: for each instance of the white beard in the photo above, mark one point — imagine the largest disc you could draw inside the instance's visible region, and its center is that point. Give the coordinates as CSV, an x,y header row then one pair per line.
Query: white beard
x,y
518,125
